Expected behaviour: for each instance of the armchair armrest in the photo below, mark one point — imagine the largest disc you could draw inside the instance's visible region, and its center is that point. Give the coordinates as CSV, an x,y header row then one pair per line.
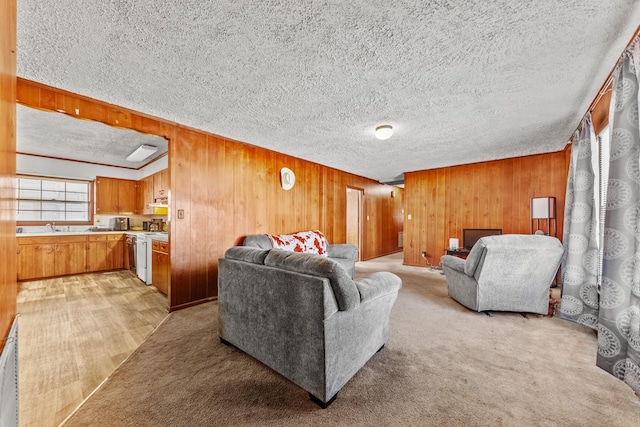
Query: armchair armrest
x,y
377,285
453,262
342,250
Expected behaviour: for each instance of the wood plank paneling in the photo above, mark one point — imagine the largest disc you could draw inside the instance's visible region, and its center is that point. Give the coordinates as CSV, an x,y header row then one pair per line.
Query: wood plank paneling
x,y
229,189
494,194
8,247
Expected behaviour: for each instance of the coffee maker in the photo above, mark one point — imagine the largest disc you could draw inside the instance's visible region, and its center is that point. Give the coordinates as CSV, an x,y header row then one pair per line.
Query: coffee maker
x,y
156,224
119,223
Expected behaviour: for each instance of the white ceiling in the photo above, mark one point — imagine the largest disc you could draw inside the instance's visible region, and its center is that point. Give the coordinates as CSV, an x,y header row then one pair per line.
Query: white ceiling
x,y
460,80
57,135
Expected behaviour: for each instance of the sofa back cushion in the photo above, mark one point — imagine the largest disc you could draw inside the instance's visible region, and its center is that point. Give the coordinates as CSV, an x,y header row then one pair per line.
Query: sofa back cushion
x,y
258,241
247,254
309,242
344,289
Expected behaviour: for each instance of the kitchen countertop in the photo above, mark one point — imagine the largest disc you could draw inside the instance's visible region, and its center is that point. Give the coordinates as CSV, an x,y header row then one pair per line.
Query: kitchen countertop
x,y
156,235
162,237
67,233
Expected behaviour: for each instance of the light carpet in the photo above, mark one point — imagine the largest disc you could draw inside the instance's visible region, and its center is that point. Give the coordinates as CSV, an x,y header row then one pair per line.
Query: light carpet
x,y
443,365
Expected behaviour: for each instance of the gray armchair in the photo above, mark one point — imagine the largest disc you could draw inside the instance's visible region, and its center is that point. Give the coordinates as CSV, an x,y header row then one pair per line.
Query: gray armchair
x,y
510,272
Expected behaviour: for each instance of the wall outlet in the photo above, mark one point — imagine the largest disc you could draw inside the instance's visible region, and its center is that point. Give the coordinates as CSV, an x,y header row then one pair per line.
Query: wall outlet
x,y
424,254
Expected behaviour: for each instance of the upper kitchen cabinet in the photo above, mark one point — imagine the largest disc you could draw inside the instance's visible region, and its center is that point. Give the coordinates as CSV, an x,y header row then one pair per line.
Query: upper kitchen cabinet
x,y
144,195
152,189
115,196
161,184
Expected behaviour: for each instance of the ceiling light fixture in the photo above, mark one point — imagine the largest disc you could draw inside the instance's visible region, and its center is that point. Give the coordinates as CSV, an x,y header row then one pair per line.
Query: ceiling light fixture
x,y
142,153
384,132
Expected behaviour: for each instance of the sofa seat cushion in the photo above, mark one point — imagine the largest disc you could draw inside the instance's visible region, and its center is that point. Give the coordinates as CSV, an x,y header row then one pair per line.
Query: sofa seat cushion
x,y
310,242
344,288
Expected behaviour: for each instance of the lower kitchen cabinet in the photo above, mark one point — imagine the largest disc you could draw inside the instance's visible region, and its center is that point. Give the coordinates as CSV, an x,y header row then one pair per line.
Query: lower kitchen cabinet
x,y
115,252
161,270
48,256
36,260
70,258
105,252
97,252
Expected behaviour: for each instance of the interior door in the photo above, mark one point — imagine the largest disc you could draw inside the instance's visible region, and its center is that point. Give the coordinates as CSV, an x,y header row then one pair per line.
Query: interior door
x,y
354,218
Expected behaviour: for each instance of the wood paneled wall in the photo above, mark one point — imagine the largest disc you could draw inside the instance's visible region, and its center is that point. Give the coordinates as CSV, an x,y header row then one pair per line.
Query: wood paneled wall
x,y
8,261
229,189
441,202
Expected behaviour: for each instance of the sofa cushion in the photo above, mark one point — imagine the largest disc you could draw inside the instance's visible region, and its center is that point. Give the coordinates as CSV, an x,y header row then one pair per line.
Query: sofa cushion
x,y
247,254
311,242
344,289
261,241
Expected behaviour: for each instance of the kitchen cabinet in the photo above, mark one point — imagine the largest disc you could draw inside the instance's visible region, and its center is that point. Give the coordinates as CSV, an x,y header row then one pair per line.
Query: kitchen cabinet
x,y
96,252
161,270
36,261
144,195
105,252
149,189
161,184
48,256
115,252
70,258
115,196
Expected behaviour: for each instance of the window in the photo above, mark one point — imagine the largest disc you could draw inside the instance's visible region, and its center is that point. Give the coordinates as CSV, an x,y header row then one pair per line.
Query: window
x,y
53,200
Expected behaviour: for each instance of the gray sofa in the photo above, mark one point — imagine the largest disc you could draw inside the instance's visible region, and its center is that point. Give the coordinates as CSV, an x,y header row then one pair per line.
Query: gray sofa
x,y
303,316
511,272
343,253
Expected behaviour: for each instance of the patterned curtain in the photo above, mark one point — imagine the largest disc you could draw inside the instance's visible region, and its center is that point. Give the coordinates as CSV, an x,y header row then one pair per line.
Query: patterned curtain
x,y
619,321
580,266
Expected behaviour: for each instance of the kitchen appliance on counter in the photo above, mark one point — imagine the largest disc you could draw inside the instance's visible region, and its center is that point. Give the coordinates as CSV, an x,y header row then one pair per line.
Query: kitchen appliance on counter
x,y
119,223
156,225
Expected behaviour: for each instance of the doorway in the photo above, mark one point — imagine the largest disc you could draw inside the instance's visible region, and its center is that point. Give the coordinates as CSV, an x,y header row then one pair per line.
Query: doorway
x,y
354,218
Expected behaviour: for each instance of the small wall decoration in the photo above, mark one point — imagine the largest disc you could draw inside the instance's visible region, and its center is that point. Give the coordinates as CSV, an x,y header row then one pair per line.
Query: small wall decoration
x,y
287,178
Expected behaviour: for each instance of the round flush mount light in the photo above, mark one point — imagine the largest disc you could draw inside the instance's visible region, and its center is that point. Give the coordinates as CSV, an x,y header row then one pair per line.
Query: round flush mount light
x,y
384,132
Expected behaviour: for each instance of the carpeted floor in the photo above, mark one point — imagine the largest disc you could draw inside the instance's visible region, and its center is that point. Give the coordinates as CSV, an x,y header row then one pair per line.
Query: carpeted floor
x,y
443,366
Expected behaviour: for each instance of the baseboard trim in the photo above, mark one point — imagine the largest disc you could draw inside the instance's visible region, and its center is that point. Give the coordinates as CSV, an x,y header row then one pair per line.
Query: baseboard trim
x,y
191,304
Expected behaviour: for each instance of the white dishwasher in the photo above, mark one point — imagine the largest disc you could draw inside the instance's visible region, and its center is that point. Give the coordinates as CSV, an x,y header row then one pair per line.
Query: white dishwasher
x,y
143,243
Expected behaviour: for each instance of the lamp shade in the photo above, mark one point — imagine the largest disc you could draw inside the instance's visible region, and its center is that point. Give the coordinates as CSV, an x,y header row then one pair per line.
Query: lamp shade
x,y
543,207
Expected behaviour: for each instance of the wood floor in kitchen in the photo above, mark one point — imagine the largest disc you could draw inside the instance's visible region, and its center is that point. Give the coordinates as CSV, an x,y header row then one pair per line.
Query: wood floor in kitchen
x,y
73,333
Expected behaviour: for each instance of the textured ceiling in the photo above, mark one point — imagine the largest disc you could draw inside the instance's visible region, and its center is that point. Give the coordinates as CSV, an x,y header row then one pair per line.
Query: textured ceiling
x,y
58,135
460,80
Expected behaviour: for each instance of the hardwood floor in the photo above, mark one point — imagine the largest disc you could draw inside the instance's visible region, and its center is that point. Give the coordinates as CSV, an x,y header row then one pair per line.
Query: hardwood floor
x,y
73,332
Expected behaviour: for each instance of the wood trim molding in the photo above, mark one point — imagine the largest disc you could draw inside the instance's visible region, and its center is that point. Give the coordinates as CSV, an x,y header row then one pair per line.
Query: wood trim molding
x,y
8,261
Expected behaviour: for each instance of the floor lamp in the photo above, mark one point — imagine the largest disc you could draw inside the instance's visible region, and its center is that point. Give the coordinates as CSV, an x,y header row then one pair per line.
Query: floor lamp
x,y
543,208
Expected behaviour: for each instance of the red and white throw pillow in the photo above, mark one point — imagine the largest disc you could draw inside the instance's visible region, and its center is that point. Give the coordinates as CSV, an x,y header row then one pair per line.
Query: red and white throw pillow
x,y
311,242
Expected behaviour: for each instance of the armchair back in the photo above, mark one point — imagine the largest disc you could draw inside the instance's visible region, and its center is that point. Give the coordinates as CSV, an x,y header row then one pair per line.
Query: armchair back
x,y
509,272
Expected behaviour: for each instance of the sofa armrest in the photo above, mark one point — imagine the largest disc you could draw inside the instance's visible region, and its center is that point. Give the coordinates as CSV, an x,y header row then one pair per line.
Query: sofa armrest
x,y
453,262
377,285
342,250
